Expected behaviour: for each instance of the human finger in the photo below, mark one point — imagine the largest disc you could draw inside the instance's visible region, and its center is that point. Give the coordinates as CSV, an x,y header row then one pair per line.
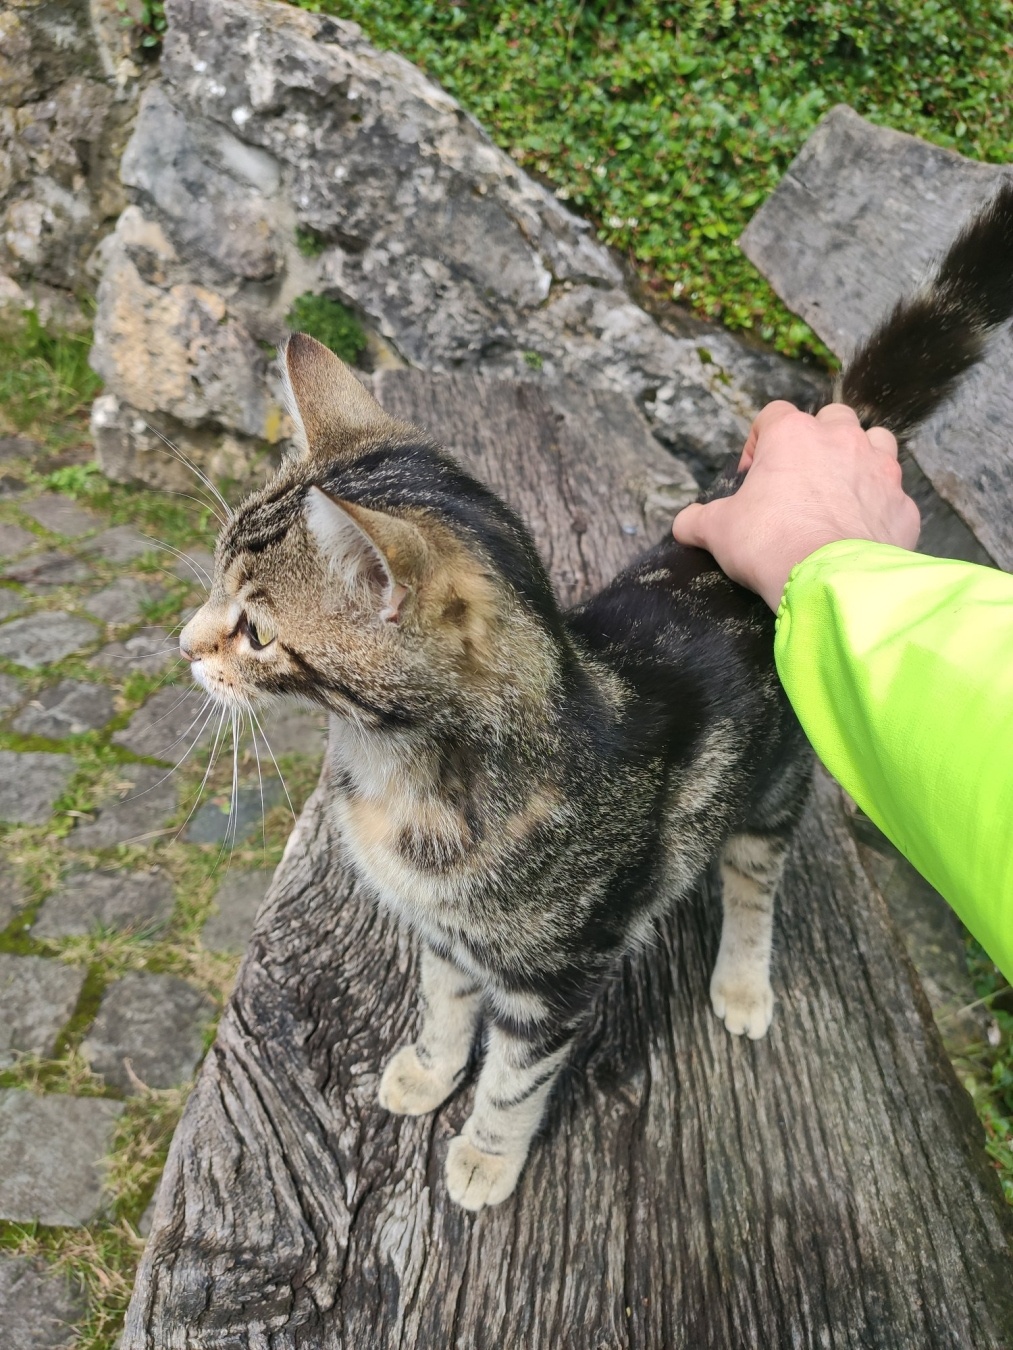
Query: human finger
x,y
687,526
883,440
767,417
838,414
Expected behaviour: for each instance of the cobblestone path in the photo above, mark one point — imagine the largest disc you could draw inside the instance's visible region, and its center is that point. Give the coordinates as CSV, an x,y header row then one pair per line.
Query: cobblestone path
x,y
125,899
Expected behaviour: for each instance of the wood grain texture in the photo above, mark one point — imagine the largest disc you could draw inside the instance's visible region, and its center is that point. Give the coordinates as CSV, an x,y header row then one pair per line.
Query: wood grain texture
x,y
858,221
825,1187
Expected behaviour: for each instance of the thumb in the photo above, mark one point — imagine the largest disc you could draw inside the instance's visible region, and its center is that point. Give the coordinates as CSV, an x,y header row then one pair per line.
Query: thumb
x,y
689,526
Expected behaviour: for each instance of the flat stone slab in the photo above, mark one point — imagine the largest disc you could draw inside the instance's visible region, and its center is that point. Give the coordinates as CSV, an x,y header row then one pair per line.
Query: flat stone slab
x,y
51,1154
43,570
60,515
38,1306
37,998
123,601
19,447
42,639
157,1023
137,808
12,893
14,540
169,723
12,692
293,730
219,819
152,650
87,900
11,487
197,566
66,709
237,902
11,602
30,782
120,544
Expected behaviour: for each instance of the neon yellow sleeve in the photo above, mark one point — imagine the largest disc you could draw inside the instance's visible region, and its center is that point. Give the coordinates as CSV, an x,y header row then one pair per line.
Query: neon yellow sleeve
x,y
900,669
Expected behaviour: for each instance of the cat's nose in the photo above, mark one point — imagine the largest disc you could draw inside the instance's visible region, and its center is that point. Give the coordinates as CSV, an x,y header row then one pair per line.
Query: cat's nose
x,y
185,651
186,644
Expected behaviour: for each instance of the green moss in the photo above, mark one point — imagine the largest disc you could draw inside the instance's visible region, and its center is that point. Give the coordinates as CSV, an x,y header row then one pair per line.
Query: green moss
x,y
329,322
44,375
668,123
309,243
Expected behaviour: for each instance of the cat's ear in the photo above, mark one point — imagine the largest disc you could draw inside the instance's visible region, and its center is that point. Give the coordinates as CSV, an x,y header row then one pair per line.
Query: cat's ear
x,y
368,551
328,405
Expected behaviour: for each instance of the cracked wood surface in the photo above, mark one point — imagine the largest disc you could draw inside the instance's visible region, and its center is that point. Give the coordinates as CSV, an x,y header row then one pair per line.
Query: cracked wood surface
x,y
824,1187
859,220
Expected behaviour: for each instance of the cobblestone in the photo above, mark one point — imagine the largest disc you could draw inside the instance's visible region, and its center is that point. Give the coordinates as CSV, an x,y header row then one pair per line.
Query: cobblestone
x,y
66,709
53,568
152,650
167,724
85,900
156,1022
121,544
123,602
11,602
60,515
237,903
51,1153
141,803
30,783
38,1306
12,692
12,893
14,540
42,639
196,566
221,819
292,730
37,998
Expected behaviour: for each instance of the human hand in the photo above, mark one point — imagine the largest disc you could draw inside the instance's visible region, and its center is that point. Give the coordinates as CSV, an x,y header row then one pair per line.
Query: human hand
x,y
809,481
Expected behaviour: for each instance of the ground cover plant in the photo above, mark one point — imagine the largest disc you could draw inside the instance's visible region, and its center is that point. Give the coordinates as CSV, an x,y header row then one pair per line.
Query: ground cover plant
x,y
668,124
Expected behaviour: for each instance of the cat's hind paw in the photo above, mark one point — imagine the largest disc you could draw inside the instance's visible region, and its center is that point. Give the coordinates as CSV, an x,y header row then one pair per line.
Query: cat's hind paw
x,y
744,1002
476,1179
409,1088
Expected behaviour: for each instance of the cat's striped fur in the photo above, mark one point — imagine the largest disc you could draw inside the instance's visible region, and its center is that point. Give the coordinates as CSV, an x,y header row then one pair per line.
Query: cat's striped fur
x,y
525,788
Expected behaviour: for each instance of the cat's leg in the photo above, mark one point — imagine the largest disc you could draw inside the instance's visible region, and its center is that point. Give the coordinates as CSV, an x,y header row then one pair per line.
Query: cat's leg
x,y
751,867
421,1076
521,1066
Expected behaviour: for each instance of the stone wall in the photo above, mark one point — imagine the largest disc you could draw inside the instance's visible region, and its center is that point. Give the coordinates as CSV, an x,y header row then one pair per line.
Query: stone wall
x,y
279,154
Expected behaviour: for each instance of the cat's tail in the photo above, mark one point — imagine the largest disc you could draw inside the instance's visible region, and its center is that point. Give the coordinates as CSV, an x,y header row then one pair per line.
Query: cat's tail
x,y
912,361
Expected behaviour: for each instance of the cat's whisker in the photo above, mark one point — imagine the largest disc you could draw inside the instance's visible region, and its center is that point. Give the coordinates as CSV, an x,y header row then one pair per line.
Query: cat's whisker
x,y
175,450
178,704
278,771
207,774
208,707
232,826
200,573
260,780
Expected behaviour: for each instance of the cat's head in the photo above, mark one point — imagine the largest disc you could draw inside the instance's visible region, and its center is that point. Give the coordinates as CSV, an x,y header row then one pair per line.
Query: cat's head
x,y
370,575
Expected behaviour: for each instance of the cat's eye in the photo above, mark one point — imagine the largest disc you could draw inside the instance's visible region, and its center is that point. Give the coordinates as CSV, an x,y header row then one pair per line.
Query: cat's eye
x,y
259,638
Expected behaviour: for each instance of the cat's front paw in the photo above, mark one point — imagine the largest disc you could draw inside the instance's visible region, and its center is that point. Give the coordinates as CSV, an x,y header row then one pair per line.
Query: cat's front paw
x,y
476,1179
409,1088
744,1001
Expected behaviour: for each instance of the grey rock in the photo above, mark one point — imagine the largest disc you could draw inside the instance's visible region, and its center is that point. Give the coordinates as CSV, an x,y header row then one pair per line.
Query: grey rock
x,y
169,723
30,783
221,819
237,903
157,1023
66,709
10,487
195,566
84,901
122,602
38,1306
12,692
121,544
14,540
60,515
152,650
48,569
51,1154
37,998
292,730
43,639
11,602
19,447
12,894
136,809
453,255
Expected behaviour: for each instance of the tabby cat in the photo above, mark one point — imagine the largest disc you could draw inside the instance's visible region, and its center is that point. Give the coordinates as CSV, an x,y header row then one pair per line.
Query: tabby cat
x,y
527,788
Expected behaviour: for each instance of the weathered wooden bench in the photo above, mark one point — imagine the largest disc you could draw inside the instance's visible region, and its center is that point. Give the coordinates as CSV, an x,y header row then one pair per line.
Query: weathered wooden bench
x,y
825,1187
